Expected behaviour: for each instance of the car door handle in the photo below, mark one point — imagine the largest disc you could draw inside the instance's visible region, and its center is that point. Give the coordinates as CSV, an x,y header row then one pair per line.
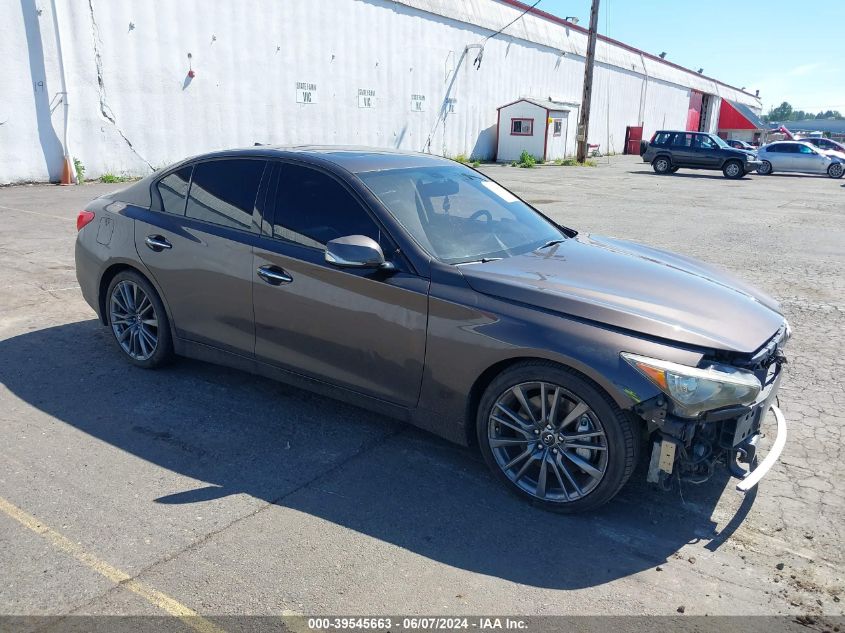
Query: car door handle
x,y
157,243
274,275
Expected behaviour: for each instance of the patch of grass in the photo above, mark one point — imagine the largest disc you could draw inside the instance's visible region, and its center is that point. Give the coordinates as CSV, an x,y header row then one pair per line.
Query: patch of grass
x,y
526,160
80,170
467,160
571,162
111,178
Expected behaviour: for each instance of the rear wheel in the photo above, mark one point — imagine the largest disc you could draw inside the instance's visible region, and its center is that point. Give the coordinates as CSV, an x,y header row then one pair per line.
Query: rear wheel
x,y
836,170
765,169
733,169
554,438
661,165
138,321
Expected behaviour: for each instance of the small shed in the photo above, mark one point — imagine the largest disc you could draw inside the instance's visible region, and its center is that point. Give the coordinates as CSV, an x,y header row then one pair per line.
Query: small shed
x,y
539,126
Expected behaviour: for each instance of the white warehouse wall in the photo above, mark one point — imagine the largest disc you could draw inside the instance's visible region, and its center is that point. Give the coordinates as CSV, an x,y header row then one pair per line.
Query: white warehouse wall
x,y
134,108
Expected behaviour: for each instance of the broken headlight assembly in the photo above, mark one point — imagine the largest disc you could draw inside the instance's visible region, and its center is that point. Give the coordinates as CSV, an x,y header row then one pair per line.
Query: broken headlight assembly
x,y
694,390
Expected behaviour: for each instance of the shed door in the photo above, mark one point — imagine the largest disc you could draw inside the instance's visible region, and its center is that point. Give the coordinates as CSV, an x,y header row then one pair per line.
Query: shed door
x,y
556,135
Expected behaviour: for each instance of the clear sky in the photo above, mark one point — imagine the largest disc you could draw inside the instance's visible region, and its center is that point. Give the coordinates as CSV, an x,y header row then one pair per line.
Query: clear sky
x,y
790,51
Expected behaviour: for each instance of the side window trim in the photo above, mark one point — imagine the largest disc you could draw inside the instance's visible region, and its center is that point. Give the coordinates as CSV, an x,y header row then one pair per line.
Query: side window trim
x,y
157,197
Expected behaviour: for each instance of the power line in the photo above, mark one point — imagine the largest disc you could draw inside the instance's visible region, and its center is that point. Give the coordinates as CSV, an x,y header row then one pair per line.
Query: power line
x,y
516,19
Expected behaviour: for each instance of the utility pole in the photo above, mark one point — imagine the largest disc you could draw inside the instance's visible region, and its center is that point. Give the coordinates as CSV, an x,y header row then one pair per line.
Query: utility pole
x,y
584,118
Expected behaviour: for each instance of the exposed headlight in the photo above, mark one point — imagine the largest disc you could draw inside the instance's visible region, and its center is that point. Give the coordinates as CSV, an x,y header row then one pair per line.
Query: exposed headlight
x,y
695,390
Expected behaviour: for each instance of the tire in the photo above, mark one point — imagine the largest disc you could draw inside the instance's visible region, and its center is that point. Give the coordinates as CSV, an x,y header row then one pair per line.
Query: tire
x,y
134,322
765,169
661,165
733,169
566,487
674,169
836,170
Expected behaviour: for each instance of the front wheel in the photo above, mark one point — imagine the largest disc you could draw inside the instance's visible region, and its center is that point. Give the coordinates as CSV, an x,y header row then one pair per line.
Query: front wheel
x,y
765,169
733,169
836,170
554,438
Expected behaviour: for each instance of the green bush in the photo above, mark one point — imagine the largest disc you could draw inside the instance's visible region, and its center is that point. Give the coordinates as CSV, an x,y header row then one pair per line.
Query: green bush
x,y
526,160
80,170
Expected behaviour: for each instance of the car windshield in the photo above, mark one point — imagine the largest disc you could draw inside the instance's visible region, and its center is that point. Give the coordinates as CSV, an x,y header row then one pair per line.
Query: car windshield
x,y
459,216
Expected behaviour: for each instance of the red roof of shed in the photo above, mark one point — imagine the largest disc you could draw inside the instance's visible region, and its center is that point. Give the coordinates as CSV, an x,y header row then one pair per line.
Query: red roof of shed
x,y
734,117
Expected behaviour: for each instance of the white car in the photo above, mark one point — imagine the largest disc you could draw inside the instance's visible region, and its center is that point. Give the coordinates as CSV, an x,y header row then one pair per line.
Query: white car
x,y
795,156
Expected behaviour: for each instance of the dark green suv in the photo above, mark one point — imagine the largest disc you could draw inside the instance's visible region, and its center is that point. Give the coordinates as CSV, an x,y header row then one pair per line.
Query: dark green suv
x,y
670,150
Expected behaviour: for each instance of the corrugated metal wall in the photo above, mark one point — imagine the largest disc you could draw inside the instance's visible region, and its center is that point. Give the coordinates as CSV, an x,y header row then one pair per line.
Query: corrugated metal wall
x,y
133,106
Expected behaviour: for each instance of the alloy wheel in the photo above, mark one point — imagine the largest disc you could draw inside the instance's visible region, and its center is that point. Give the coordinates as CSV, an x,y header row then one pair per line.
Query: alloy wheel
x,y
732,170
133,320
836,170
548,441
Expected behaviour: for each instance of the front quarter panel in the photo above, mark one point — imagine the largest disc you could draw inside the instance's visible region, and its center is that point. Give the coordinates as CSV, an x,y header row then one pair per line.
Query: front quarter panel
x,y
469,333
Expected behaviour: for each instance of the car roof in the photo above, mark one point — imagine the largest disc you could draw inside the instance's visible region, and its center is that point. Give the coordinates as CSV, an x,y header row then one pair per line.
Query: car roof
x,y
353,159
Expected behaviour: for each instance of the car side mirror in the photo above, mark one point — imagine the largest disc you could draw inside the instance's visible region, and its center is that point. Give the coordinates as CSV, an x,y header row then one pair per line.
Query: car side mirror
x,y
356,251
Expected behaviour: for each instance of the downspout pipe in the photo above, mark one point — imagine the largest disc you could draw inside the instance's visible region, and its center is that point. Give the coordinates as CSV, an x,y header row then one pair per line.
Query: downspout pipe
x,y
644,92
68,168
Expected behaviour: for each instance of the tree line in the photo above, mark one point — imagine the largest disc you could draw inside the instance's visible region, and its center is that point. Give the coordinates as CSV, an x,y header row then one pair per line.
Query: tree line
x,y
784,112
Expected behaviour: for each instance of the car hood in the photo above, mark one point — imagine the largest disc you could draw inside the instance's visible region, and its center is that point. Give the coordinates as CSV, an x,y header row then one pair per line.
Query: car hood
x,y
634,287
832,153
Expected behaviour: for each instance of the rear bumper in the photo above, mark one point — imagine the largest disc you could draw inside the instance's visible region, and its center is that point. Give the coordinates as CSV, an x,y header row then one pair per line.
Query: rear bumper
x,y
753,477
87,273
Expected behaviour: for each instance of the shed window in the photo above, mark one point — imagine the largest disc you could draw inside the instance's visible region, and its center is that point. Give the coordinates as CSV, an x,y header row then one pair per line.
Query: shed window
x,y
558,127
522,127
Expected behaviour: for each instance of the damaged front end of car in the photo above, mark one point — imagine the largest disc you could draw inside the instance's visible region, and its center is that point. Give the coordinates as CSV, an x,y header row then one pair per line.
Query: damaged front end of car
x,y
712,414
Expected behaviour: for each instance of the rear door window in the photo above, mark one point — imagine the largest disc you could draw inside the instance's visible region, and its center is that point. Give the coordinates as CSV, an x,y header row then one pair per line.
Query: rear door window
x,y
223,192
173,190
682,140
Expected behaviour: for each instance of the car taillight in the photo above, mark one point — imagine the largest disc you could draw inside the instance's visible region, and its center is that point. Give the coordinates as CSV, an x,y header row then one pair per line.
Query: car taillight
x,y
83,218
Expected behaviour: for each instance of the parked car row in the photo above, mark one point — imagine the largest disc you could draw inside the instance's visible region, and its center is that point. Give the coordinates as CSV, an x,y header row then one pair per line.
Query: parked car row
x,y
670,150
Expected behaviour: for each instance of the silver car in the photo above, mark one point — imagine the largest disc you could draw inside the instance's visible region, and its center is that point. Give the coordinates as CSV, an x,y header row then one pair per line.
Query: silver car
x,y
795,156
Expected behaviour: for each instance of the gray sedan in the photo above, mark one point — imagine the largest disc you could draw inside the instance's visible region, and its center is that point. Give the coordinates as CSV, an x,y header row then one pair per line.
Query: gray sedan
x,y
795,156
420,288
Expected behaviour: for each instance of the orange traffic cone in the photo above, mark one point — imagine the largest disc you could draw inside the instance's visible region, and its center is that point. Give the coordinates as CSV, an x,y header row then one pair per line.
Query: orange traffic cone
x,y
68,172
